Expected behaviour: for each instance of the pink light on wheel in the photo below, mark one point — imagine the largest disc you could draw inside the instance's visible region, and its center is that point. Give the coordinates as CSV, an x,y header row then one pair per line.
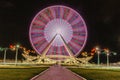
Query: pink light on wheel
x,y
58,20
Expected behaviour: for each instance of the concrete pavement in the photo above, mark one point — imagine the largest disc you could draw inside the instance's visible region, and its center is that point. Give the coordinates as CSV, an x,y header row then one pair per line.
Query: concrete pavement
x,y
57,72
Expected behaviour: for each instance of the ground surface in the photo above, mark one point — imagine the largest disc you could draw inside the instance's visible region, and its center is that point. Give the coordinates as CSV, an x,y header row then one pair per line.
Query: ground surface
x,y
98,74
19,72
57,72
27,72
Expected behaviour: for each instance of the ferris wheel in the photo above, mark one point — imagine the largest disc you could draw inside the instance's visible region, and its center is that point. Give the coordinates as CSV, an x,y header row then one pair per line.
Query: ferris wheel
x,y
58,31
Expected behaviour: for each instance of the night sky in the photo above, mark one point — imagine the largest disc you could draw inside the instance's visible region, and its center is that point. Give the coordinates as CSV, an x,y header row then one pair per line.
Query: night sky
x,y
102,18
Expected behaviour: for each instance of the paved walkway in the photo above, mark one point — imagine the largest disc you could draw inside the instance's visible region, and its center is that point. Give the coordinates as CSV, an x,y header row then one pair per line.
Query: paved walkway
x,y
57,72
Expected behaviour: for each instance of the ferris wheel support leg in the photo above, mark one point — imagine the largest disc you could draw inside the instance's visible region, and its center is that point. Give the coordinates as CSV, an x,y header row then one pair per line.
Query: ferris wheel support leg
x,y
67,48
48,47
69,51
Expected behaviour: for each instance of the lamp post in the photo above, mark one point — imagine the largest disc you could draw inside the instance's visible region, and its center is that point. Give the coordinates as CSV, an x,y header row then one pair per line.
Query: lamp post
x,y
16,56
98,55
5,50
107,53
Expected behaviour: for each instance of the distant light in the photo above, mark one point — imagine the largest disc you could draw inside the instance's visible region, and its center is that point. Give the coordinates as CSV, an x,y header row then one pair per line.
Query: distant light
x,y
97,48
1,49
11,46
17,45
114,53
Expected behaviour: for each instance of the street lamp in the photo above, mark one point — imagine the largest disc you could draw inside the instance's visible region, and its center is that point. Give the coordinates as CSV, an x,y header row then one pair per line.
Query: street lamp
x,y
98,55
107,53
16,56
5,50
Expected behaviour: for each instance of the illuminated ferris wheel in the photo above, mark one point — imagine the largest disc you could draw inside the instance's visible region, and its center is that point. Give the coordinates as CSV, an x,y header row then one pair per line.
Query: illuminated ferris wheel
x,y
58,31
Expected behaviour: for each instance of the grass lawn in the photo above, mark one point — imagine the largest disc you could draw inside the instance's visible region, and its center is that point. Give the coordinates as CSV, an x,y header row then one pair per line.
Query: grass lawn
x,y
19,73
98,74
27,72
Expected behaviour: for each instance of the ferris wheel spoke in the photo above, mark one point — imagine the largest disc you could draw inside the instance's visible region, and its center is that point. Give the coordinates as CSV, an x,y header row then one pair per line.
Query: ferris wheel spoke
x,y
57,12
79,37
37,31
38,22
38,45
73,17
50,51
42,19
66,13
42,47
49,13
78,25
75,46
37,39
73,49
58,51
38,27
63,51
82,35
55,50
78,42
78,29
36,35
40,41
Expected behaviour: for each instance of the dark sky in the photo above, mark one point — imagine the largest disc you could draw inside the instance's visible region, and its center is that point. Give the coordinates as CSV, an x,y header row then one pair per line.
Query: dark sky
x,y
101,16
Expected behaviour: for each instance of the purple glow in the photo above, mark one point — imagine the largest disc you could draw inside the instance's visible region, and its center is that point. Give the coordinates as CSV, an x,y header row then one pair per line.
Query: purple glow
x,y
58,20
58,26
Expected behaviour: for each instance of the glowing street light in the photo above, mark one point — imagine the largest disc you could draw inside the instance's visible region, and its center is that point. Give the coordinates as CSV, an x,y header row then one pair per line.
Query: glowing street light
x,y
98,55
16,56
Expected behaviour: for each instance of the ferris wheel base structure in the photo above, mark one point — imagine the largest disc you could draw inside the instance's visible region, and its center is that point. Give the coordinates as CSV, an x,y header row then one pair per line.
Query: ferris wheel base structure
x,y
48,60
